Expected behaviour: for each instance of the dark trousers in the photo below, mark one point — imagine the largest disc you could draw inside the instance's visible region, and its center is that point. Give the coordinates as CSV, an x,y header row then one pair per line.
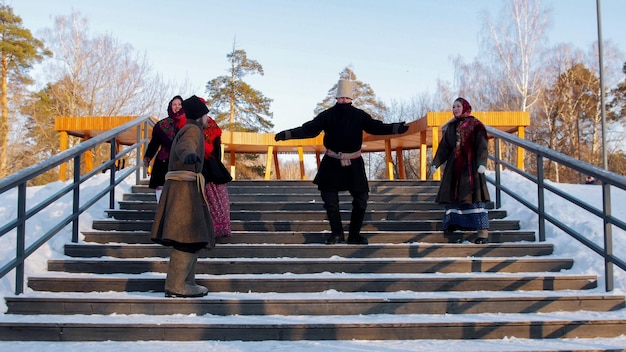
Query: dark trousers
x,y
359,205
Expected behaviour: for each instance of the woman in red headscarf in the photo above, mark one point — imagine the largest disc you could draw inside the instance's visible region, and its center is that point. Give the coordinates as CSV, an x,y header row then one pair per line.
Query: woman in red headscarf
x,y
216,176
162,136
463,188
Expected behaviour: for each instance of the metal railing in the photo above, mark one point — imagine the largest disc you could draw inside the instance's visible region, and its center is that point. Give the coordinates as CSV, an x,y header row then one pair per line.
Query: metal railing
x,y
20,180
543,154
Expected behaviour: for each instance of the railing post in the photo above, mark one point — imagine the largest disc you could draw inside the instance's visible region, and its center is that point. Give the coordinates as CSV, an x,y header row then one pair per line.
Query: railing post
x,y
608,237
138,160
112,174
21,238
496,146
540,200
76,199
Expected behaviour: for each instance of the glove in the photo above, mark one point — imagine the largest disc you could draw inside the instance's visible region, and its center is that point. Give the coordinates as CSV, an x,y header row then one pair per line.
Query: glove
x,y
433,169
481,169
146,162
402,128
280,136
192,159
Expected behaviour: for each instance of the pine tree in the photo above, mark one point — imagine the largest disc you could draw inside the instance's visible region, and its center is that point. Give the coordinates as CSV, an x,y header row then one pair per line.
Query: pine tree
x,y
19,50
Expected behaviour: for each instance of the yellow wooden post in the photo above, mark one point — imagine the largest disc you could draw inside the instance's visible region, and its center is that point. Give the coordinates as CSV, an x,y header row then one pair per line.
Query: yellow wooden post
x,y
232,164
63,143
301,158
388,160
268,162
423,155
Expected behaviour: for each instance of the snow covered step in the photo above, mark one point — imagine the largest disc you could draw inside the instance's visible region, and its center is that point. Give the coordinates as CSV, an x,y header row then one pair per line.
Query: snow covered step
x,y
307,215
292,328
293,237
404,250
219,266
55,282
305,225
324,303
310,205
314,196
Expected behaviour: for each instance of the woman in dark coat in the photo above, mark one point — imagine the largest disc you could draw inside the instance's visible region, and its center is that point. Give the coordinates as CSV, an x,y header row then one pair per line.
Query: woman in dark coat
x,y
463,188
182,220
342,167
163,134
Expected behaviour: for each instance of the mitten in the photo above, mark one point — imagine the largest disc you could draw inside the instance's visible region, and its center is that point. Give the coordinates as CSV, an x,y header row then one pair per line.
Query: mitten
x,y
192,159
403,128
280,136
433,169
481,169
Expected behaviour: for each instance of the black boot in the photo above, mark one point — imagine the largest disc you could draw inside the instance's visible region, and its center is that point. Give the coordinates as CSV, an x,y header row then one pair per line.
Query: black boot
x,y
483,236
356,221
452,237
336,227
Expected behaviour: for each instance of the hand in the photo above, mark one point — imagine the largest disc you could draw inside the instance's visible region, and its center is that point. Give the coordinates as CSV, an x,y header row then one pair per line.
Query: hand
x,y
481,169
280,136
433,169
146,162
403,128
192,159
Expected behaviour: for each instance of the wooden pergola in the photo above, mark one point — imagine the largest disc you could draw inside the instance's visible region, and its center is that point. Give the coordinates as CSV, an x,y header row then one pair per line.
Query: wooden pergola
x,y
423,133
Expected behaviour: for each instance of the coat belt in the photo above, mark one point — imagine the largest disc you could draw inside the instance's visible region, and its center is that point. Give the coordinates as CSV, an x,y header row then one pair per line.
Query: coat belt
x,y
344,157
189,176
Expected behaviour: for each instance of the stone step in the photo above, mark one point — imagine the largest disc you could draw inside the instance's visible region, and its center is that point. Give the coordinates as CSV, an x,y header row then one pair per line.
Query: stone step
x,y
309,304
301,197
318,250
300,283
293,237
302,215
226,266
317,206
285,328
298,226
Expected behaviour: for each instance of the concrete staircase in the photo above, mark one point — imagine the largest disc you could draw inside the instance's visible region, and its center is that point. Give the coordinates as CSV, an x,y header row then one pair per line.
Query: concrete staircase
x,y
274,279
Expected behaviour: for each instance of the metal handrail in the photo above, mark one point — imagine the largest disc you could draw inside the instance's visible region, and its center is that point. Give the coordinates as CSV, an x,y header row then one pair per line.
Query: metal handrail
x,y
21,178
608,179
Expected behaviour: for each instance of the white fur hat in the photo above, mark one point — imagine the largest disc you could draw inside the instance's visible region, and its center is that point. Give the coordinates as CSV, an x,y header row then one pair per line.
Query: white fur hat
x,y
344,89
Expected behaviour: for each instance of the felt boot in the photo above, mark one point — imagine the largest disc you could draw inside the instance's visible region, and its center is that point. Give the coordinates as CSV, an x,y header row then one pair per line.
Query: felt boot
x,y
336,227
354,232
177,272
452,237
191,277
482,236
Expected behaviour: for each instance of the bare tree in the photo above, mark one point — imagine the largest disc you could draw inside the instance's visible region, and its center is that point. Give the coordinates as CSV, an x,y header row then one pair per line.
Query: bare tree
x,y
98,75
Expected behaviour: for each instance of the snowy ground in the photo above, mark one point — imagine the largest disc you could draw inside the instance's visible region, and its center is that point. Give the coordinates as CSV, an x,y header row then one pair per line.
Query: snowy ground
x,y
586,262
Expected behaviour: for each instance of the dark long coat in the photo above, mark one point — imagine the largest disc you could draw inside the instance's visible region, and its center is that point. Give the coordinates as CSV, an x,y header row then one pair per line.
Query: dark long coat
x,y
182,219
343,127
160,140
466,185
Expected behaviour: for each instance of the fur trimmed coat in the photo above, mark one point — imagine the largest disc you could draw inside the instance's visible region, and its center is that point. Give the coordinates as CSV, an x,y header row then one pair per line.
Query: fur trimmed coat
x,y
182,219
463,147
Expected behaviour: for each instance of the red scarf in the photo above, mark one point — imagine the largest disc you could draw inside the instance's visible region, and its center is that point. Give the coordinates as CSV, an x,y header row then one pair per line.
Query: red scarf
x,y
211,132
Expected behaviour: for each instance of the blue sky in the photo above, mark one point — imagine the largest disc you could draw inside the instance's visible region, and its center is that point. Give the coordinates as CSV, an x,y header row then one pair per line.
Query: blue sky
x,y
399,47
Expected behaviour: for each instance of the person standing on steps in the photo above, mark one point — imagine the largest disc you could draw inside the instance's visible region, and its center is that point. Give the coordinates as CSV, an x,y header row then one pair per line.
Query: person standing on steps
x,y
342,167
160,143
182,220
463,188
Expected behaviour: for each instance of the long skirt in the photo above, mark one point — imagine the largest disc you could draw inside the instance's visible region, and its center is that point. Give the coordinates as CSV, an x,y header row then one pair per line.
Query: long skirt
x,y
219,206
466,217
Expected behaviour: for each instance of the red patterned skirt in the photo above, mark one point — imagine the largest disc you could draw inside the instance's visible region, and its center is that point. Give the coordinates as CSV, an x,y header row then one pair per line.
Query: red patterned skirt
x,y
219,206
